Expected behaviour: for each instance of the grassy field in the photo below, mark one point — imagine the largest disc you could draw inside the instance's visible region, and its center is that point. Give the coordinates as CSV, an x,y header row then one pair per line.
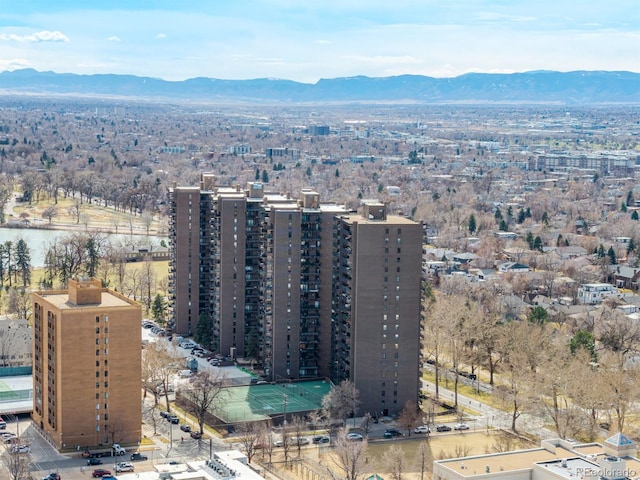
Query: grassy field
x,y
438,447
90,217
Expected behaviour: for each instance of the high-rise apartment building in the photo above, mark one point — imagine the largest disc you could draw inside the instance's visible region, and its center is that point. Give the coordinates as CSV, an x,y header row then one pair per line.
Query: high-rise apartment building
x,y
86,365
376,307
266,273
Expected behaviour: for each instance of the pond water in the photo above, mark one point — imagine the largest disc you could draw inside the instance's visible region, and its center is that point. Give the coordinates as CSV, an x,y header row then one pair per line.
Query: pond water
x,y
38,240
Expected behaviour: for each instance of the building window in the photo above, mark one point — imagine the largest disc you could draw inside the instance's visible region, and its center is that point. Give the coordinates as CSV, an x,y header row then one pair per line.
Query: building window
x,y
97,329
97,319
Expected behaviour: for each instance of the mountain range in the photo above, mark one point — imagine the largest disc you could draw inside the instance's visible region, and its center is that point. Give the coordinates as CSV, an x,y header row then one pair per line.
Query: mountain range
x,y
573,88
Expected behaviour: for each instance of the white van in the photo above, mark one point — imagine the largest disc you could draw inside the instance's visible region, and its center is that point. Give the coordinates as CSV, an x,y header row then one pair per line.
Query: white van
x,y
185,373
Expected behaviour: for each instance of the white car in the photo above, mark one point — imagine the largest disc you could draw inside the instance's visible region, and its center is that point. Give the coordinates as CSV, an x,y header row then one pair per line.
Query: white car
x,y
422,429
461,426
354,437
124,467
20,449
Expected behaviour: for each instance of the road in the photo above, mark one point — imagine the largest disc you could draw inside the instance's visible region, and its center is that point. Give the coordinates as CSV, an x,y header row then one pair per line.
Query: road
x,y
490,417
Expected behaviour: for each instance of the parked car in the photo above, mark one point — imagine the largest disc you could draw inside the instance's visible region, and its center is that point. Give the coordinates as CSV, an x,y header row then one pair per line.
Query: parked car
x,y
20,449
164,414
137,456
422,429
173,419
392,432
185,428
461,426
100,473
298,441
443,428
124,467
94,461
354,437
196,435
321,439
52,476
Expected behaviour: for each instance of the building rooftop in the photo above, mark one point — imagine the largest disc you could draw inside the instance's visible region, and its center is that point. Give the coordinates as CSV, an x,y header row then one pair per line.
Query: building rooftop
x,y
60,299
503,462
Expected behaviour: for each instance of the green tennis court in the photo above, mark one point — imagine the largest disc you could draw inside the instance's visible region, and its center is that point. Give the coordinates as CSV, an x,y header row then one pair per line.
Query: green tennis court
x,y
259,402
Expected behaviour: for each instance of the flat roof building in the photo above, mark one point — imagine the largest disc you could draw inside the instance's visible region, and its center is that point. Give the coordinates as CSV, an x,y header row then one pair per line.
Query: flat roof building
x,y
294,283
555,459
86,365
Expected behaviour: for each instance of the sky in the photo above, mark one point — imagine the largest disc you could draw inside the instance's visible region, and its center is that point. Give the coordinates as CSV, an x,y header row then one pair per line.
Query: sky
x,y
306,40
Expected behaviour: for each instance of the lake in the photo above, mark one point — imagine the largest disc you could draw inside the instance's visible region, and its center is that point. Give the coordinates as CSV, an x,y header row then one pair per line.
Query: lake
x,y
38,240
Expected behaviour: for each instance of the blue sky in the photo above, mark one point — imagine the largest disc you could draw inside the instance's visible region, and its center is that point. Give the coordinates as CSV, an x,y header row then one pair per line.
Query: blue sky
x,y
305,40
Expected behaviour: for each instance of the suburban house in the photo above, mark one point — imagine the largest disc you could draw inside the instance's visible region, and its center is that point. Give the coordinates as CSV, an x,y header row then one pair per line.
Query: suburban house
x,y
594,293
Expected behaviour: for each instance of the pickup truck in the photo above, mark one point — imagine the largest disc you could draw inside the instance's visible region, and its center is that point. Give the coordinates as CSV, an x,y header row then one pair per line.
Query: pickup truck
x,y
115,450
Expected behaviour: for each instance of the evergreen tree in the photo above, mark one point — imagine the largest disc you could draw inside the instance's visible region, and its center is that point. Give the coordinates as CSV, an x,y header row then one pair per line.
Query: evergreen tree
x,y
612,256
545,218
631,246
503,226
93,257
23,261
498,215
521,216
204,331
159,309
634,215
529,239
472,224
537,244
586,340
623,207
538,316
265,176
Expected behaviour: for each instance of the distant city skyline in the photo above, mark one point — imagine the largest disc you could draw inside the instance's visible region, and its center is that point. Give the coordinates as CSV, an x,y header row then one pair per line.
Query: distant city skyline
x,y
307,41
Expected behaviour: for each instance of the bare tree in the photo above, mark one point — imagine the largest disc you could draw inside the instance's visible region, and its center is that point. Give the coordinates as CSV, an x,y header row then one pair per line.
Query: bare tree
x,y
201,395
348,460
19,303
266,442
17,463
49,213
147,220
409,416
396,462
423,458
158,367
75,210
298,427
249,435
341,401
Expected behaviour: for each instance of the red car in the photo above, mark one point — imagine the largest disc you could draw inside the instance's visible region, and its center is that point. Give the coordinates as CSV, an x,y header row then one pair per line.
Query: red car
x,y
100,472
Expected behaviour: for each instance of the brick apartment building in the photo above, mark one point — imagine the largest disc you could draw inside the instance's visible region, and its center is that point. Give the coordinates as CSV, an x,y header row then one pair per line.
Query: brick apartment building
x,y
307,289
86,365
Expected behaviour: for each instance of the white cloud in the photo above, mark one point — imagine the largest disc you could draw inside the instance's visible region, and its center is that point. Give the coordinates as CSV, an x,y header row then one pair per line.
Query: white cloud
x,y
114,39
42,36
14,64
161,35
